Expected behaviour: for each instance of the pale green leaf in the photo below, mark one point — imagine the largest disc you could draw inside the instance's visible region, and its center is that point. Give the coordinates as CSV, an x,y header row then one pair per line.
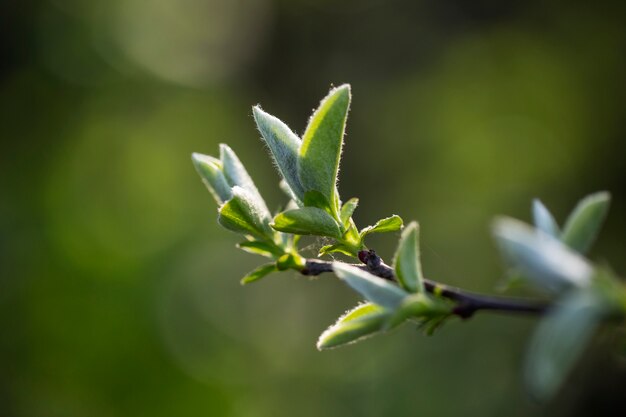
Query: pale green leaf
x,y
583,224
307,221
284,146
406,261
236,175
241,214
544,220
359,323
336,248
560,339
259,273
389,224
347,209
210,170
545,261
260,248
320,152
374,289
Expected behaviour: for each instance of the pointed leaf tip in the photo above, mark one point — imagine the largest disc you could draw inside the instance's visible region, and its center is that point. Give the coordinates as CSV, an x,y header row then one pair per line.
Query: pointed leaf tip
x,y
284,146
407,262
544,220
584,223
210,171
320,152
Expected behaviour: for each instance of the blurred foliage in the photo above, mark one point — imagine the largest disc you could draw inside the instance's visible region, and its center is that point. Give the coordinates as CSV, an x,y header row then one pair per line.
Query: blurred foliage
x,y
119,294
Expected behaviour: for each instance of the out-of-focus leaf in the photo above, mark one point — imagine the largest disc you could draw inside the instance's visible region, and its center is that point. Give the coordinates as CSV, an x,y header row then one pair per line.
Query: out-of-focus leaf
x,y
389,224
545,261
241,214
544,220
320,152
359,323
377,290
290,261
260,248
583,224
284,146
420,306
259,273
210,170
347,210
406,261
307,221
560,339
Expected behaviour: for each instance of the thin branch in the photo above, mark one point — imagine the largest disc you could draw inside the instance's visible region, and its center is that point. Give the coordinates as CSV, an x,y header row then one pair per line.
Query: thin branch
x,y
467,302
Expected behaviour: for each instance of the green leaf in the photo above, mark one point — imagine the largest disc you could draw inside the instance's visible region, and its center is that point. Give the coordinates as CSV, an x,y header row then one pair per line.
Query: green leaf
x,y
583,224
347,210
544,220
307,221
359,323
420,306
406,261
543,260
259,273
389,224
314,198
336,248
210,170
373,288
320,152
290,261
241,214
284,146
560,339
260,248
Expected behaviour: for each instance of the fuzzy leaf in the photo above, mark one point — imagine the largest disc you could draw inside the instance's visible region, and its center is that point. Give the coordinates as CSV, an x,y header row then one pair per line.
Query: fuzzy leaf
x,y
260,248
373,288
284,146
307,221
363,321
347,210
320,152
545,261
314,198
544,220
559,341
241,214
583,224
406,261
259,273
210,170
336,248
389,224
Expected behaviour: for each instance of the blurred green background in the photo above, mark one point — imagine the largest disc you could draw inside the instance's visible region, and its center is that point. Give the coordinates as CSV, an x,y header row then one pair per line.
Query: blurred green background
x,y
120,295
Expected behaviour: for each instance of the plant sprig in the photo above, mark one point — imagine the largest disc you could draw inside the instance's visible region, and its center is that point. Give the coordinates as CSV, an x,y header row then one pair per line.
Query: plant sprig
x,y
550,258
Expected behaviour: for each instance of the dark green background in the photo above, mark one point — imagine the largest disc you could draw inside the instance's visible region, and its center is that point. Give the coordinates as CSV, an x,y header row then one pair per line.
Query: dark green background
x,y
120,295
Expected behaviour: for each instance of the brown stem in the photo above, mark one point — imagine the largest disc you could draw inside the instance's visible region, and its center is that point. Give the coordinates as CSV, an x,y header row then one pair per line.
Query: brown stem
x,y
467,302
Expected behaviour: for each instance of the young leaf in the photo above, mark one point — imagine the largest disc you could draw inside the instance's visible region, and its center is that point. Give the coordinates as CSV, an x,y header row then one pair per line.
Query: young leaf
x,y
560,339
259,273
373,288
583,224
347,210
284,146
314,198
318,162
421,306
406,261
544,220
210,170
389,224
241,214
548,263
307,221
236,175
336,248
363,321
260,248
